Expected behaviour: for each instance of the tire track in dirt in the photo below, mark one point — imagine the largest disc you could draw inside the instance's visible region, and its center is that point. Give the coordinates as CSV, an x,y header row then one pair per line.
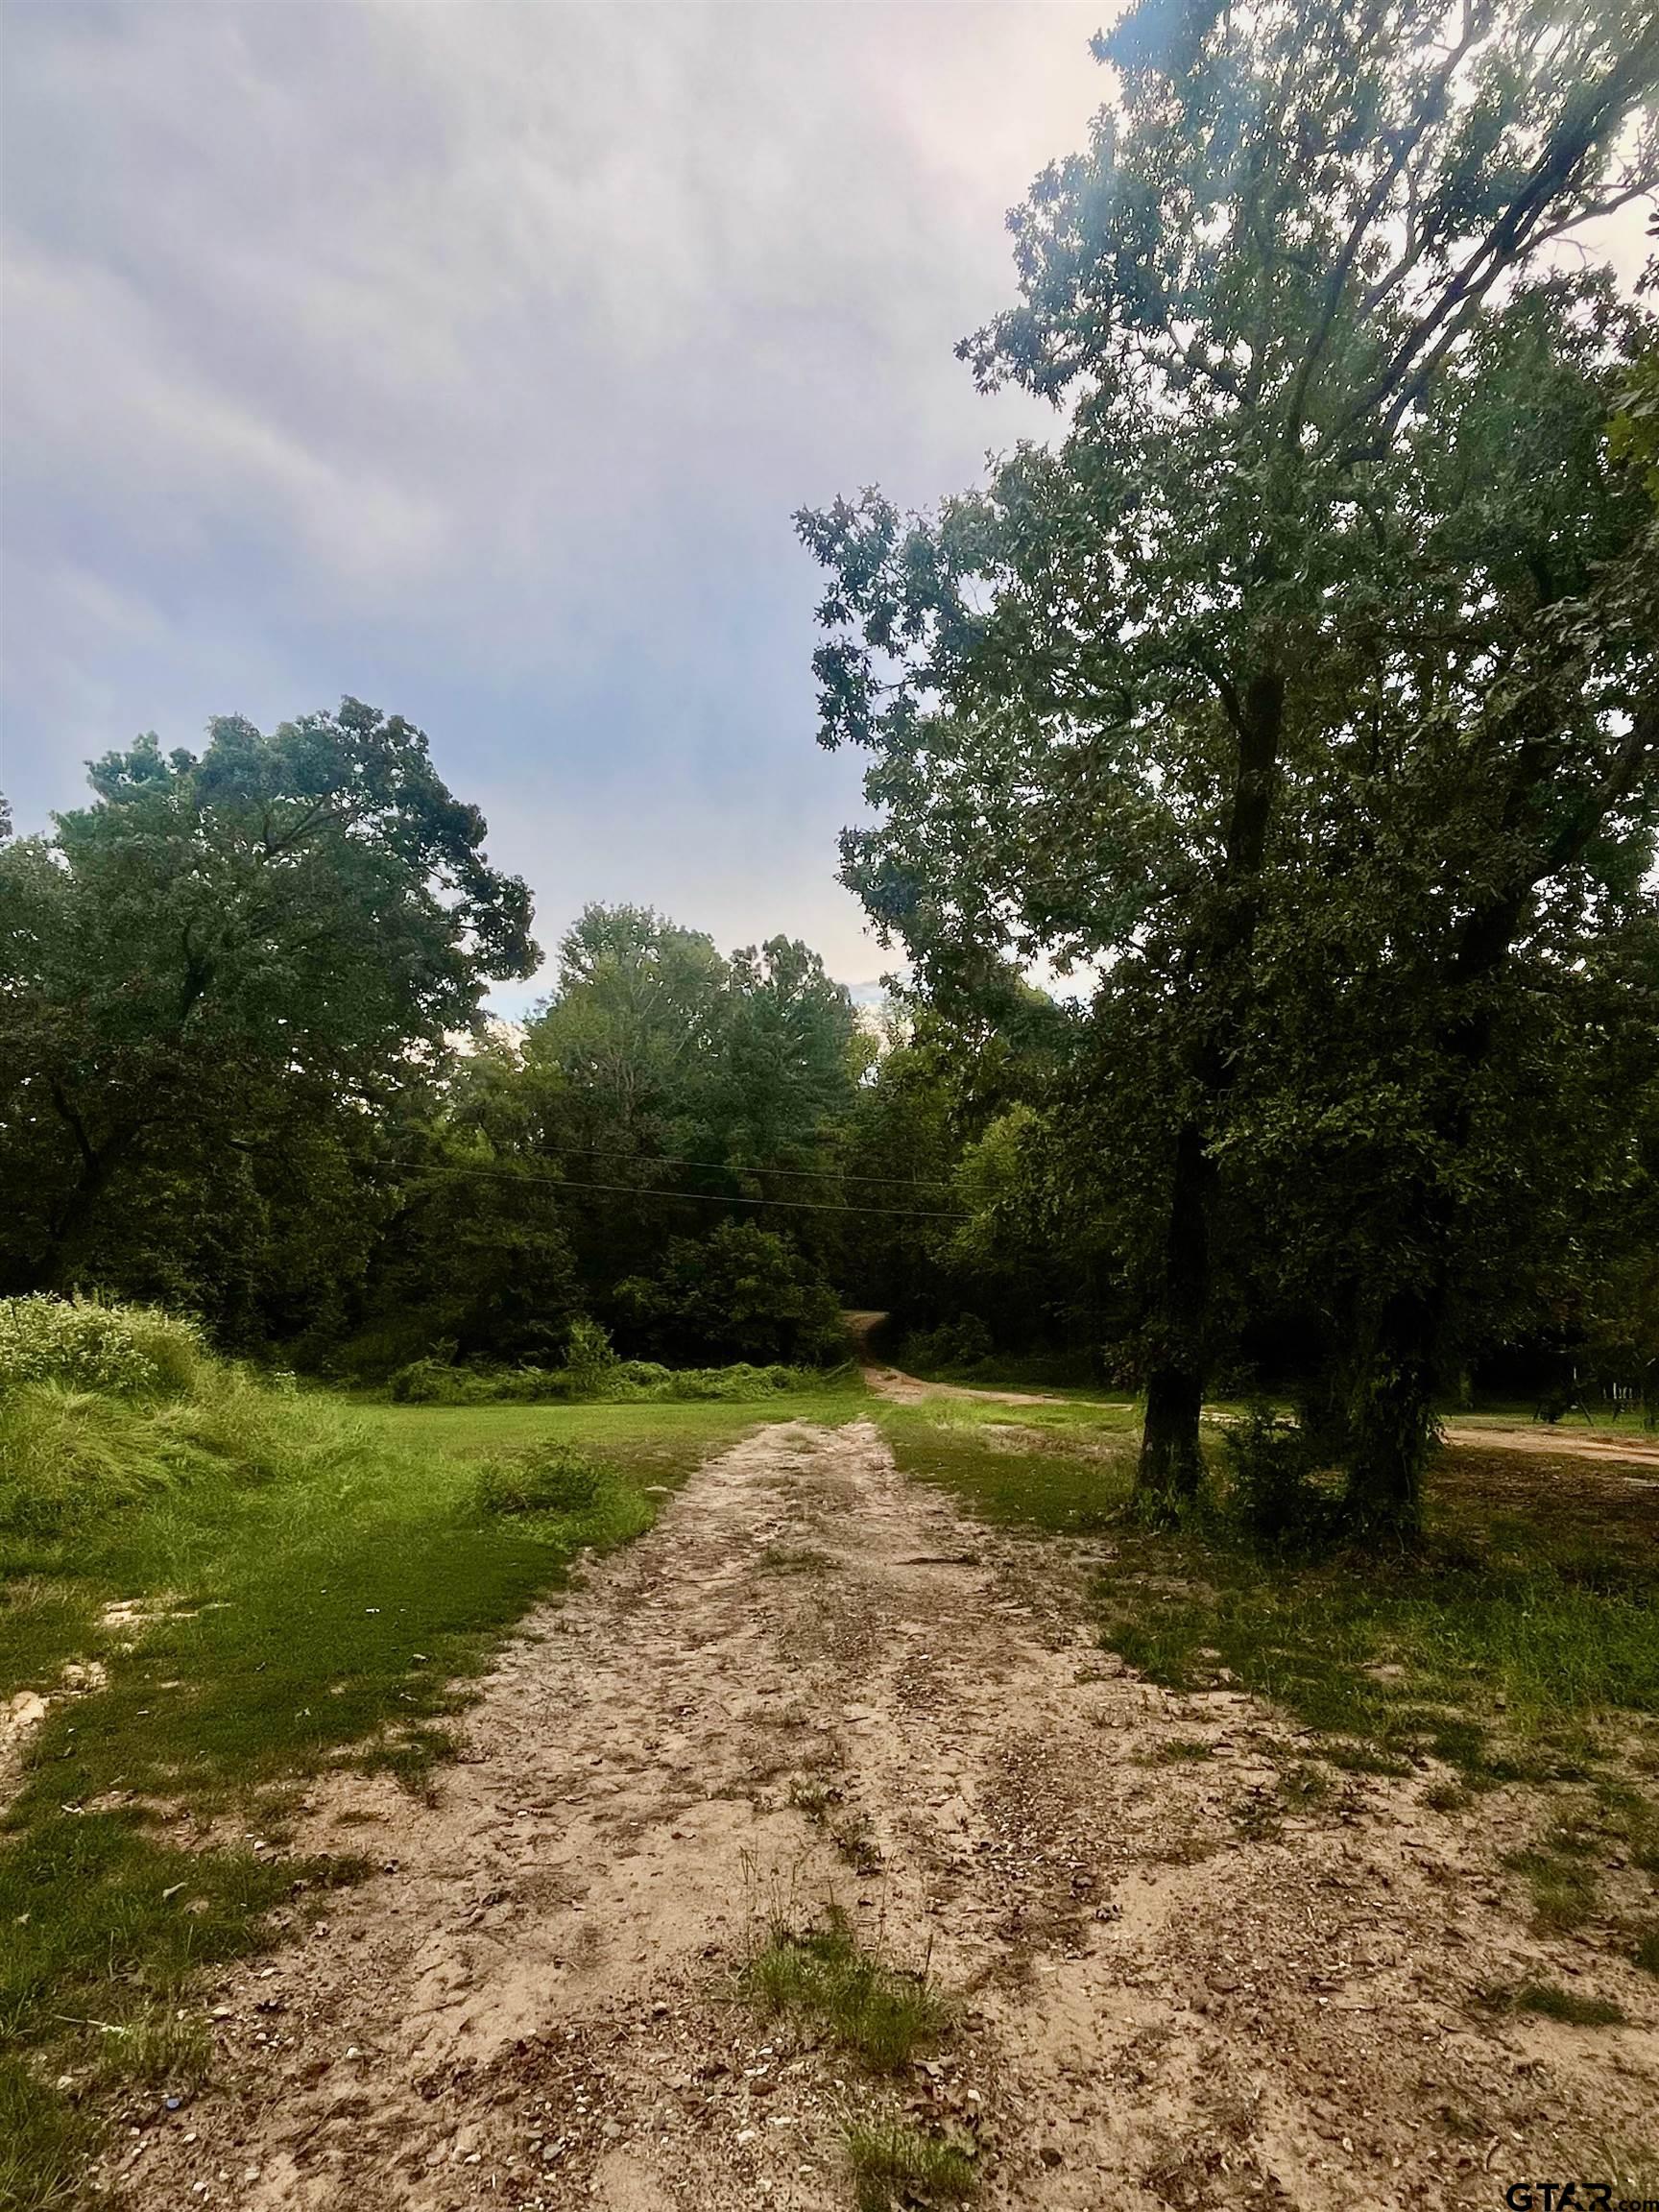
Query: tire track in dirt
x,y
813,1678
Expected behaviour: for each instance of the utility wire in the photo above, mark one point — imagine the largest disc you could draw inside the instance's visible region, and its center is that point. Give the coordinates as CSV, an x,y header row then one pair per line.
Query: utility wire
x,y
733,1168
637,1190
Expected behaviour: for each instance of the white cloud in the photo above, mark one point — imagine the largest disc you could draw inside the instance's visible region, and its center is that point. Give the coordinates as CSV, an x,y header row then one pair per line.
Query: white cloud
x,y
473,358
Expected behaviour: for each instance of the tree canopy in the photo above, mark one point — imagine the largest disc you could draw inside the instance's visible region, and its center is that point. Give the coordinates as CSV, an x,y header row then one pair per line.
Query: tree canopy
x,y
1329,550
225,948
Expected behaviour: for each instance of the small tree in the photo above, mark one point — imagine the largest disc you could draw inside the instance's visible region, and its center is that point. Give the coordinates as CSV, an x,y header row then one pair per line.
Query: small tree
x,y
741,1293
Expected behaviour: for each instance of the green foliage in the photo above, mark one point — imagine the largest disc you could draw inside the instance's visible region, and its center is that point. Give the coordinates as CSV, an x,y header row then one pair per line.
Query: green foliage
x,y
1301,682
214,977
659,1067
624,1382
1633,434
82,1344
740,1293
553,1479
477,1258
895,2164
873,2010
963,1342
590,1357
1271,1489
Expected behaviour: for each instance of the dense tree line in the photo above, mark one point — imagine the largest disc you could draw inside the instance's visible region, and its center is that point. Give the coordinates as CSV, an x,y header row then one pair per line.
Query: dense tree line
x,y
246,1073
1302,697
246,1076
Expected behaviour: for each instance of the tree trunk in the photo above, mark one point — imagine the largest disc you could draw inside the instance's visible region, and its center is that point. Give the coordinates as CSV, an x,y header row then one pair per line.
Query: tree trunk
x,y
1394,1404
1391,1422
54,1269
1171,1465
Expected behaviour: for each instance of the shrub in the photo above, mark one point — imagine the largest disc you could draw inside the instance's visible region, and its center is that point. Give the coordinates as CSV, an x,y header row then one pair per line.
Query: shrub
x,y
743,1293
738,1384
425,1381
433,1381
553,1479
590,1357
960,1343
1272,1494
628,1382
134,1351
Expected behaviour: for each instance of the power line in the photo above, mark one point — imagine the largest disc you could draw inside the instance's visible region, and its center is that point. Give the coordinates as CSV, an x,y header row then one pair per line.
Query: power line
x,y
733,1168
636,1190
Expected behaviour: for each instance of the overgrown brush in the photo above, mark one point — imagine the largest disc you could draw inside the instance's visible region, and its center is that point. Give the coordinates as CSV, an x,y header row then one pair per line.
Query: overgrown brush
x,y
1273,1496
71,1457
552,1478
433,1381
82,1344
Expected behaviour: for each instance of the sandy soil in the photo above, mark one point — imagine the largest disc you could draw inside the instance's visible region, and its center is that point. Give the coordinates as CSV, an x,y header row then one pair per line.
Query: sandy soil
x,y
1551,1441
814,1679
910,1390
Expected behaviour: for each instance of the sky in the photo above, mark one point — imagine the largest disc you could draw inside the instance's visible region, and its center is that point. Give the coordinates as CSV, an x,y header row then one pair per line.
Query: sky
x,y
472,358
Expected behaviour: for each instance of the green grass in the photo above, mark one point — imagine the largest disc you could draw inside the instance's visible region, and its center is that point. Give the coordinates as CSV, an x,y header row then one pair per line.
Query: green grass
x,y
1521,1631
650,1442
1064,1469
868,2006
313,1584
897,2165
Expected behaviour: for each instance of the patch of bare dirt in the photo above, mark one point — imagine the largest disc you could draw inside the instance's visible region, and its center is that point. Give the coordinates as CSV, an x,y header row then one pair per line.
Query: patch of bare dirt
x,y
812,1679
903,1389
22,1716
1551,1441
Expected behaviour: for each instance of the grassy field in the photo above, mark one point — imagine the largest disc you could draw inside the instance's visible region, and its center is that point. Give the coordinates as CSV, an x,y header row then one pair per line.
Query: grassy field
x,y
269,1585
265,1586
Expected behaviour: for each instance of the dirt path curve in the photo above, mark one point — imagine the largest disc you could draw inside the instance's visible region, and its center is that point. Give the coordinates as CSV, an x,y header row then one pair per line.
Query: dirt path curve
x,y
893,1383
814,1678
1550,1442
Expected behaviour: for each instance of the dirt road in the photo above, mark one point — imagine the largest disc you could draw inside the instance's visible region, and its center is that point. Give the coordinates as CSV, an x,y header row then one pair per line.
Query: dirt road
x,y
814,1679
1550,1440
1554,1442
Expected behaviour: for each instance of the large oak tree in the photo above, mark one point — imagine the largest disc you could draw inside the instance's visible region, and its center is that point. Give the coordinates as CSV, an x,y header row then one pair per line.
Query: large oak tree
x,y
1088,685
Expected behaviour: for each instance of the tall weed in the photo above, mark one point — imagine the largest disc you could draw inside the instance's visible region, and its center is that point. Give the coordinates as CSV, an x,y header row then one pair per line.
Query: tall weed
x,y
82,1344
